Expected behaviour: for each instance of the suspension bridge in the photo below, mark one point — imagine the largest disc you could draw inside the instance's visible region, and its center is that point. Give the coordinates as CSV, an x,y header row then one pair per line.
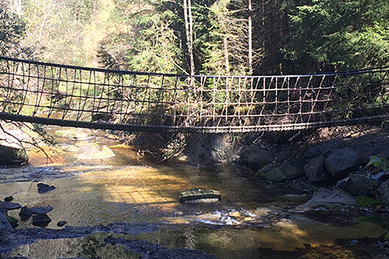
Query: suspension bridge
x,y
95,98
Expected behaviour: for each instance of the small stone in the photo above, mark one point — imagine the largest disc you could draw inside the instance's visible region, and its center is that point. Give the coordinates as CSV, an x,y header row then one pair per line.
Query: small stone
x,y
25,213
8,199
41,210
42,187
41,220
61,223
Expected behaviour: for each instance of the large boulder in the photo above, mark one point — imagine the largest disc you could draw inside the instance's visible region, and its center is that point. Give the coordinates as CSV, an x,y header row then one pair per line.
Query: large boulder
x,y
278,173
342,160
203,149
41,220
330,196
292,169
359,185
256,158
315,170
274,175
384,153
12,155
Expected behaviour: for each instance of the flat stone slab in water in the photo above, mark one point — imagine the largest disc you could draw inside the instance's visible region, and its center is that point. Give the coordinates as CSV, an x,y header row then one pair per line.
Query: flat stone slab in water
x,y
5,206
41,210
42,187
195,195
41,220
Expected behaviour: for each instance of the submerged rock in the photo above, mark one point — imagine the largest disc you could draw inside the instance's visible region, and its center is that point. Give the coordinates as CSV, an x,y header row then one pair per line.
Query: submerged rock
x,y
12,155
195,195
8,199
42,187
152,250
41,210
41,220
61,223
25,213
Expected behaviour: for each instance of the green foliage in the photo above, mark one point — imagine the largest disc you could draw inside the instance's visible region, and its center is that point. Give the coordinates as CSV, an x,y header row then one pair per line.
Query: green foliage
x,y
260,173
377,220
151,45
288,36
12,29
60,29
338,33
82,10
379,164
365,201
12,221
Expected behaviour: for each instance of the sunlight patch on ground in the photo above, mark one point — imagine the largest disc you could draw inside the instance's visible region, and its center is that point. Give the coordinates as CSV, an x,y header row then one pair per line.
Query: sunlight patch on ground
x,y
137,185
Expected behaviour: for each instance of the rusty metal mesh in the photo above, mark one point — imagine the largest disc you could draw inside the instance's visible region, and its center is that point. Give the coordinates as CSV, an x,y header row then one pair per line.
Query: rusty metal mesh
x,y
134,101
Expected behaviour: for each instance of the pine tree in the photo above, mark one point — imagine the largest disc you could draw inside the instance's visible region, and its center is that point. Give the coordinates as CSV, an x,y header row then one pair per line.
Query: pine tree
x,y
331,34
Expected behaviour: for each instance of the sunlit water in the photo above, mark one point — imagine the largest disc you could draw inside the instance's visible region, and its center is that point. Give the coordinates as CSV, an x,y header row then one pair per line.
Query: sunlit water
x,y
100,181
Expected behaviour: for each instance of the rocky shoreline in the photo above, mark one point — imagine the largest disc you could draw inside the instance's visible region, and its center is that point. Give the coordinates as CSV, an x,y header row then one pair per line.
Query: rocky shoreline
x,y
354,159
338,177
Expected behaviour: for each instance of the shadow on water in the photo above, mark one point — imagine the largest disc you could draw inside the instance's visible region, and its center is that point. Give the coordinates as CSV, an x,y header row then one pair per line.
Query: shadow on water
x,y
111,183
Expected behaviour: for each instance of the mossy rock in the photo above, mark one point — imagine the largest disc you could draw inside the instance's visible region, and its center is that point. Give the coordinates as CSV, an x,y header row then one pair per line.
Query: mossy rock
x,y
12,221
12,155
377,220
365,201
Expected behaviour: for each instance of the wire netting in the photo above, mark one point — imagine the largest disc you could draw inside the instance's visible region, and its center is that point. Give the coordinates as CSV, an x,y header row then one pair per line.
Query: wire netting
x,y
134,101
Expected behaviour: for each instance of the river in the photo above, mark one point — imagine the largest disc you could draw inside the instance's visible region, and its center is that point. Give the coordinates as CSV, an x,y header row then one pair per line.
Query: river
x,y
118,201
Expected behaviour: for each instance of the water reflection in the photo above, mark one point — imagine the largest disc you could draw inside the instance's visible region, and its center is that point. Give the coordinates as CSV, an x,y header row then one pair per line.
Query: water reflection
x,y
110,182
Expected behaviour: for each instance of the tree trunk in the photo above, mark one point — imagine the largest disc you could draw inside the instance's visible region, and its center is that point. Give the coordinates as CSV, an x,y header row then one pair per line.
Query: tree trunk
x,y
250,39
17,7
226,56
189,33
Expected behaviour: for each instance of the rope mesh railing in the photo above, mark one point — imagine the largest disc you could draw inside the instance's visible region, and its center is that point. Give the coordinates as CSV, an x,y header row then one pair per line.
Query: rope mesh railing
x,y
133,101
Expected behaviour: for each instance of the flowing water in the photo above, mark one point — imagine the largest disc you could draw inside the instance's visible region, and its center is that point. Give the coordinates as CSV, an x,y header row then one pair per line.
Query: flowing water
x,y
104,184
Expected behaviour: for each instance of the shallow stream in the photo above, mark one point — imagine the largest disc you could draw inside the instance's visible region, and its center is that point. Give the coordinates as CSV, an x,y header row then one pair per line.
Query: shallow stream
x,y
119,202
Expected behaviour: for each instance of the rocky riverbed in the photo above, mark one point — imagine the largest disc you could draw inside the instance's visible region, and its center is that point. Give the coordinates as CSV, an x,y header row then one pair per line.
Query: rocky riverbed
x,y
285,199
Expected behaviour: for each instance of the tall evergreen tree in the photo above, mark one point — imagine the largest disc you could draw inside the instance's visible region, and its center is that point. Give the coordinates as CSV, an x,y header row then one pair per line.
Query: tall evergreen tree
x,y
150,45
331,34
12,29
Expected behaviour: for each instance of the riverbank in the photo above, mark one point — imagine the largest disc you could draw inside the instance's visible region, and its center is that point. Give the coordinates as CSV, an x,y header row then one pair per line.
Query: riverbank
x,y
105,190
